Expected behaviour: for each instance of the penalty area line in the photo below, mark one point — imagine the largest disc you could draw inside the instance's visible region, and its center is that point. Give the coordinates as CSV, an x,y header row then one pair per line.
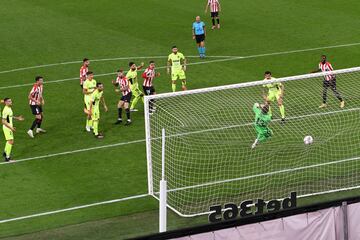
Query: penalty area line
x,y
74,208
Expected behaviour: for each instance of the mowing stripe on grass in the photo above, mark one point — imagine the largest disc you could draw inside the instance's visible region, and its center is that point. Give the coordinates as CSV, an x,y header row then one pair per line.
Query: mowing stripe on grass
x,y
227,58
174,135
74,208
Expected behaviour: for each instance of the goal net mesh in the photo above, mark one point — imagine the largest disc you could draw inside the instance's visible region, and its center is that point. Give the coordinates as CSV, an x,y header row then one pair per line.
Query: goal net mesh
x,y
209,133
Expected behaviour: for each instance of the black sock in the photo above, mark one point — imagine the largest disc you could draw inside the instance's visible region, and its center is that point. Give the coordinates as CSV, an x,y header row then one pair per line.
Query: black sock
x,y
213,22
33,124
119,112
39,123
218,21
127,113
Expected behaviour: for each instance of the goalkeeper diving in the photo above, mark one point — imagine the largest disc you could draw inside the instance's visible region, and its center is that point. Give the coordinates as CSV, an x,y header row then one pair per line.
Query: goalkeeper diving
x,y
275,92
262,120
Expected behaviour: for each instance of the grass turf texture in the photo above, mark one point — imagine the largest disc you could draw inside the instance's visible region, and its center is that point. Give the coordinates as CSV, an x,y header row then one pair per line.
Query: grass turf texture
x,y
40,32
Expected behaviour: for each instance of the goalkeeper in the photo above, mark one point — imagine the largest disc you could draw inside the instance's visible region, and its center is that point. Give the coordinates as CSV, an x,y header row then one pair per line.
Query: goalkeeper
x,y
262,120
275,92
134,86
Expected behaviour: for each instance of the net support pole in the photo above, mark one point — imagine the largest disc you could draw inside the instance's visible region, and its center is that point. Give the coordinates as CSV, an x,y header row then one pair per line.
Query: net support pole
x,y
163,189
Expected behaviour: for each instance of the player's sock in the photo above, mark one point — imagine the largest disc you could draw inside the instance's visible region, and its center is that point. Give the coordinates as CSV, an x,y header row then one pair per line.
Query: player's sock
x,y
8,147
33,125
91,123
133,104
173,86
218,21
119,113
127,113
95,127
38,123
282,111
213,22
203,50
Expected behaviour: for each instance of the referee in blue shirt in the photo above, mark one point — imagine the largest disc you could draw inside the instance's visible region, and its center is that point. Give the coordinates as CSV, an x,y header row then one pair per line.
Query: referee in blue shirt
x,y
199,33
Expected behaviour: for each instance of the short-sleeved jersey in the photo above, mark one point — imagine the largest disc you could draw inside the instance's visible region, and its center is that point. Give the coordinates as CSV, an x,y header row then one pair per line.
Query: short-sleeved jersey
x,y
83,70
36,93
214,5
273,87
95,99
131,75
90,86
148,75
261,120
7,114
327,67
175,60
198,28
124,83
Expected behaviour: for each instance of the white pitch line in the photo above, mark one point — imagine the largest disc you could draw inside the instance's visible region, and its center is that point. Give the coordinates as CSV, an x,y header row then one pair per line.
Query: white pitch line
x,y
95,60
227,58
74,151
174,135
73,208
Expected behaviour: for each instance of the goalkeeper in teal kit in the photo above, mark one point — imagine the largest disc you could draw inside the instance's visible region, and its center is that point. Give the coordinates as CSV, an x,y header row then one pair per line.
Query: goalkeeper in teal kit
x,y
262,120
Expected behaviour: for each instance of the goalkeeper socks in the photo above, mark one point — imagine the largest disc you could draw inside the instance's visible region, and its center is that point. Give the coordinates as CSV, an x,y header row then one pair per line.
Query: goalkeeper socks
x,y
90,123
127,113
282,111
119,113
8,147
173,86
87,123
33,125
95,127
213,22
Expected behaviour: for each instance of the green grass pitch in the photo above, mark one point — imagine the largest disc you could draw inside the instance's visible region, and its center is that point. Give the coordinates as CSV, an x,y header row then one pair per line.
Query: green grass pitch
x,y
42,32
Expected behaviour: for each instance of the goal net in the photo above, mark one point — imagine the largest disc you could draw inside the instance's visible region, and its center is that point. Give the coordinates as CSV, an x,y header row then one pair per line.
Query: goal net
x,y
209,133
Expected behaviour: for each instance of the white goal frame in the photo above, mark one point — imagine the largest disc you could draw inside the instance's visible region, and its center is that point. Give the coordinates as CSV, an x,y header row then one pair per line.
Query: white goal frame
x,y
225,87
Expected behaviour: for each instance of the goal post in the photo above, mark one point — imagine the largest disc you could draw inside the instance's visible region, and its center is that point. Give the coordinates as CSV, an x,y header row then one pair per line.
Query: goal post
x,y
209,133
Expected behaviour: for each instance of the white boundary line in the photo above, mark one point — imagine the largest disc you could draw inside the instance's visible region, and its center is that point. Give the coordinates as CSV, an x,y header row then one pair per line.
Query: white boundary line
x,y
227,58
73,208
96,60
174,135
74,151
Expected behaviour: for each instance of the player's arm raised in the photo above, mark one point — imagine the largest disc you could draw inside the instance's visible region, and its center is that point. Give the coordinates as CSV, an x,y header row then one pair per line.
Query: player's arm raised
x,y
141,66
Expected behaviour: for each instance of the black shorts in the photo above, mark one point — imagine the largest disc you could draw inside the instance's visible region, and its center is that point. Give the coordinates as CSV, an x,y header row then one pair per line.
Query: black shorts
x,y
149,90
36,109
126,98
330,83
214,14
200,38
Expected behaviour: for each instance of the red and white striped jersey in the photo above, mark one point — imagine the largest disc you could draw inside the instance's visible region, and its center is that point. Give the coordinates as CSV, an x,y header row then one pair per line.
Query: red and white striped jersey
x,y
148,75
214,5
326,67
36,94
123,83
83,71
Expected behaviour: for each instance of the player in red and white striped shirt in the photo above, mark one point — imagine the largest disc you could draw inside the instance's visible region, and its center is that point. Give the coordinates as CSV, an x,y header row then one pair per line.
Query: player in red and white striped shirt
x,y
149,74
215,8
36,101
123,83
329,81
83,70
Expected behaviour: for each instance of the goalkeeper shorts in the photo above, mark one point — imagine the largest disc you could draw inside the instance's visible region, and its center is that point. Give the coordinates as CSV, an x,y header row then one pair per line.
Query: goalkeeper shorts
x,y
9,135
275,95
178,74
